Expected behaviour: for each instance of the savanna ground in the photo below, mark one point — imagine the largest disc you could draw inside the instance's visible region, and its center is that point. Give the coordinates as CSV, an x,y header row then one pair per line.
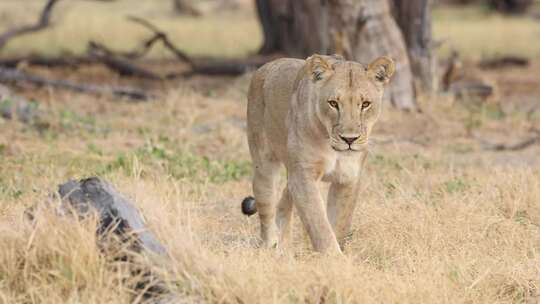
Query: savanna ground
x,y
441,219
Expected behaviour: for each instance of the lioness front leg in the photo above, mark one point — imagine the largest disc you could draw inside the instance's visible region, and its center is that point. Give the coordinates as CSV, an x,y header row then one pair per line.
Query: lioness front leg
x,y
342,198
307,199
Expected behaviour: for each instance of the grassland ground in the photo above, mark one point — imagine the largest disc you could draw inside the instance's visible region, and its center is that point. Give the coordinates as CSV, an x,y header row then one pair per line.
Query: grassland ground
x,y
441,219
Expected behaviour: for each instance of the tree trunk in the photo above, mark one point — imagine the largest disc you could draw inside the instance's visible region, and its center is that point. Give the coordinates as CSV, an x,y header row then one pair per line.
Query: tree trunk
x,y
293,26
414,19
360,30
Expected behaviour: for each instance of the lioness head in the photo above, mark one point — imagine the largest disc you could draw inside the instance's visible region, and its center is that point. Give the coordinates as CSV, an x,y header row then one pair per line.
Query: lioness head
x,y
347,97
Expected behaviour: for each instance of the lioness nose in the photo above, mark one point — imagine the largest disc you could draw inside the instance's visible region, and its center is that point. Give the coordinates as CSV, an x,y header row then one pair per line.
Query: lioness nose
x,y
349,140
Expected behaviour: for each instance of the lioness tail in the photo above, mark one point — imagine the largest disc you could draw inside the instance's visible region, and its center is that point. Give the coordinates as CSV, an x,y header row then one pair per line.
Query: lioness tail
x,y
248,206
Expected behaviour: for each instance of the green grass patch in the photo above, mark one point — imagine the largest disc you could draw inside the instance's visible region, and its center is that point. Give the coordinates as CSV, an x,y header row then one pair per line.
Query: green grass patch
x,y
178,164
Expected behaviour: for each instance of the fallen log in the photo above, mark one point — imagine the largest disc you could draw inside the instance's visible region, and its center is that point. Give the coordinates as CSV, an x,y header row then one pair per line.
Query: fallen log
x,y
524,144
51,62
503,62
8,75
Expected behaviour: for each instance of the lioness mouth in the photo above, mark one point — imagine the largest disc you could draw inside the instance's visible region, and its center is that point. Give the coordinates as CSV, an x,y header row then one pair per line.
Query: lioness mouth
x,y
349,149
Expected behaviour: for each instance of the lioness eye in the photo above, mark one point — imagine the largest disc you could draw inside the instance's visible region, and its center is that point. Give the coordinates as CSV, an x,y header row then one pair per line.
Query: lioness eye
x,y
366,104
333,104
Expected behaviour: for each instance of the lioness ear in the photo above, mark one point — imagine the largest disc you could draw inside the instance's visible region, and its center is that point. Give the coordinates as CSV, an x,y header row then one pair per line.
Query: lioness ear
x,y
381,69
318,67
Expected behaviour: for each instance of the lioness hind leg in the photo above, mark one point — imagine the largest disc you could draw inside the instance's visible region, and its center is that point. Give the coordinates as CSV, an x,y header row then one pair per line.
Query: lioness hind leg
x,y
265,183
284,218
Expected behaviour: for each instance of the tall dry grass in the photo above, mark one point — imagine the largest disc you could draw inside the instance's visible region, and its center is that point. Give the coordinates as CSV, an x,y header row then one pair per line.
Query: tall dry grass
x,y
440,220
434,225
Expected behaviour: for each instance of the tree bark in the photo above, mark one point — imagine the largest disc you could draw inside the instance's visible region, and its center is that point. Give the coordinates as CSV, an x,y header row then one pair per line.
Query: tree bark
x,y
268,20
414,19
360,30
363,30
295,27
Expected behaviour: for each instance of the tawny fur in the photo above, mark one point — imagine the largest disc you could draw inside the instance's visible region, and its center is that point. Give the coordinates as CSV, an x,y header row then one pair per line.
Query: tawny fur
x,y
301,113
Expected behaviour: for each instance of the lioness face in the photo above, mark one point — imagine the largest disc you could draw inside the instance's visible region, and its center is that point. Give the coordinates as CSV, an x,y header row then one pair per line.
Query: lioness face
x,y
349,98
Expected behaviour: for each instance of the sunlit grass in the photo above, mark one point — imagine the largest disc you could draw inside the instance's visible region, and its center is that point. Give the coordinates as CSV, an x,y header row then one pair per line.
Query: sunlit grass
x,y
77,22
473,31
477,33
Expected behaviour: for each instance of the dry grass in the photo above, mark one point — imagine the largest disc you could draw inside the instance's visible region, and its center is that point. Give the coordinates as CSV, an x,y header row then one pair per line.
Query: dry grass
x,y
77,21
440,220
476,33
443,224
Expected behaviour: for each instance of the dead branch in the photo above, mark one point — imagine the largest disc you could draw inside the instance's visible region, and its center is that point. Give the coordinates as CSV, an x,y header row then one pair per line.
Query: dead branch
x,y
465,88
64,61
119,65
8,75
119,62
509,147
504,61
393,141
213,67
137,53
198,67
160,35
42,23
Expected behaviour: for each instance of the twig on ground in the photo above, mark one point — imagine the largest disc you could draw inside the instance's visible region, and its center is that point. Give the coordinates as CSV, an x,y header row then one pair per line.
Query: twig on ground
x,y
64,61
7,75
42,23
509,147
412,140
504,61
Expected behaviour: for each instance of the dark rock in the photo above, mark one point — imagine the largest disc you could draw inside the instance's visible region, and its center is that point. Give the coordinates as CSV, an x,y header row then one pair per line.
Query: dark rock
x,y
116,213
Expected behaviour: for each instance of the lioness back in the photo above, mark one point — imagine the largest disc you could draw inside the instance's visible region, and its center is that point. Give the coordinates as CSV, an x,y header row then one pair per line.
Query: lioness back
x,y
268,103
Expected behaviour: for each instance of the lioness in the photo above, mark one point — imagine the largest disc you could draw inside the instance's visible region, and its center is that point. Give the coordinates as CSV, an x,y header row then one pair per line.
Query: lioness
x,y
315,117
